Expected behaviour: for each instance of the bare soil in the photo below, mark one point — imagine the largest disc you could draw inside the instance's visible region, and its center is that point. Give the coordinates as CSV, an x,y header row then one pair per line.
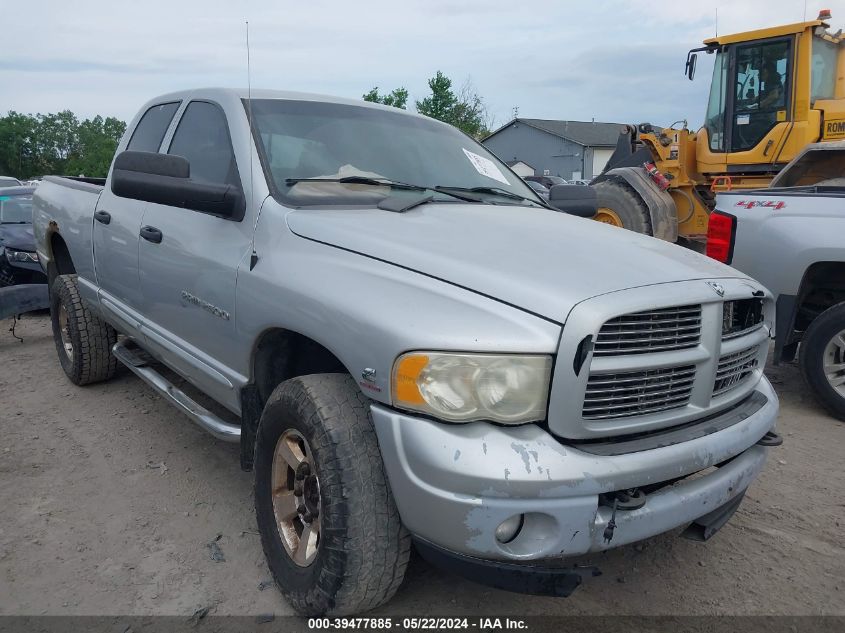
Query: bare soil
x,y
110,501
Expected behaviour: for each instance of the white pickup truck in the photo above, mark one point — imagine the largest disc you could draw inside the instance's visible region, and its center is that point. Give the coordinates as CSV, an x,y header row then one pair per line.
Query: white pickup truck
x,y
790,238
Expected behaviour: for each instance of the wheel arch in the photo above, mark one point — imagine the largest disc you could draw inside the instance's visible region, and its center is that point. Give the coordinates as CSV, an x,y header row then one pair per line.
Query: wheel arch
x,y
60,263
278,354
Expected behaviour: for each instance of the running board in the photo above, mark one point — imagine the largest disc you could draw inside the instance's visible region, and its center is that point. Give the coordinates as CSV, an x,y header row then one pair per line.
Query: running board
x,y
200,415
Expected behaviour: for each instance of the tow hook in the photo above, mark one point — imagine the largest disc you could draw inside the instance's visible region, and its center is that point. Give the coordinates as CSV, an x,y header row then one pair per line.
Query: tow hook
x,y
625,500
770,439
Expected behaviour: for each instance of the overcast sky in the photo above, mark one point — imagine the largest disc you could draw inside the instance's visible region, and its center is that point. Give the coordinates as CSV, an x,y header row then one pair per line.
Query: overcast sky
x,y
618,61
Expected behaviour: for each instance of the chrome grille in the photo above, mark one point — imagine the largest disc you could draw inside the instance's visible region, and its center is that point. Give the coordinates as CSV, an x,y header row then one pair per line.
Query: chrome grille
x,y
650,331
733,369
637,392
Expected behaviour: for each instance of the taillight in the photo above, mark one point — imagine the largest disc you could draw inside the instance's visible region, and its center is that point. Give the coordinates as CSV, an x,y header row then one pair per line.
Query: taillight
x,y
721,231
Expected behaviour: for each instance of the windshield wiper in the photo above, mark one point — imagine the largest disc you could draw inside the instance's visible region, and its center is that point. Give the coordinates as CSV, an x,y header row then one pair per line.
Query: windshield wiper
x,y
495,191
378,182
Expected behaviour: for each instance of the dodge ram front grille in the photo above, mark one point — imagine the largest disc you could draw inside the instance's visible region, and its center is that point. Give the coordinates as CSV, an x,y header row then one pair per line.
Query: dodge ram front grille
x,y
659,330
735,368
637,392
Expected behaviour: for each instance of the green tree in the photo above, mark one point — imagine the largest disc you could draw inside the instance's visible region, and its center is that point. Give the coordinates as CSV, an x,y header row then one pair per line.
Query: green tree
x,y
465,110
35,145
398,97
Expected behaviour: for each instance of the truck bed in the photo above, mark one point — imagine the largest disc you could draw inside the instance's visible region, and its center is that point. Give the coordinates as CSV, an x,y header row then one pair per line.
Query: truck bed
x,y
66,206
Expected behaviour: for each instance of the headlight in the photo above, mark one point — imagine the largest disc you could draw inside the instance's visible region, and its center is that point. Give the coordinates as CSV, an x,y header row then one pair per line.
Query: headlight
x,y
21,256
462,387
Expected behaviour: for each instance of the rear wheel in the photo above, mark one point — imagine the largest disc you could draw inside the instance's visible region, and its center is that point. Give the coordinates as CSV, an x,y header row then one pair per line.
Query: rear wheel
x,y
619,205
329,527
83,340
822,358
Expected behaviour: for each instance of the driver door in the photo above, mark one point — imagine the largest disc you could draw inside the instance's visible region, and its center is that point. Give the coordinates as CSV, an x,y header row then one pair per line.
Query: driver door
x,y
189,262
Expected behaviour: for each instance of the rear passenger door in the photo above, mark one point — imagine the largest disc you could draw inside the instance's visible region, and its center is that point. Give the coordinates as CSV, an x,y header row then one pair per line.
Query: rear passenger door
x,y
189,260
117,222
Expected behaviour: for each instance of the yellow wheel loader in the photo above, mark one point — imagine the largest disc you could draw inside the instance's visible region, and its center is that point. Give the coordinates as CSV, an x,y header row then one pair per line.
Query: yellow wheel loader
x,y
773,92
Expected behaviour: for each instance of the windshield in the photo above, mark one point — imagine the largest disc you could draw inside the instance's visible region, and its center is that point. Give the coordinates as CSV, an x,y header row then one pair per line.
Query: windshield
x,y
714,121
16,209
317,140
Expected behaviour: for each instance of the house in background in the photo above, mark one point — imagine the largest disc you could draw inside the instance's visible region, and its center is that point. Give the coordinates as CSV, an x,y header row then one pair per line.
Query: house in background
x,y
520,168
573,150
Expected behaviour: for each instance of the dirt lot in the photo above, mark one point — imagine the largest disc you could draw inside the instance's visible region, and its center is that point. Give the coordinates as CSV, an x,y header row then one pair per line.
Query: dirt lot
x,y
110,497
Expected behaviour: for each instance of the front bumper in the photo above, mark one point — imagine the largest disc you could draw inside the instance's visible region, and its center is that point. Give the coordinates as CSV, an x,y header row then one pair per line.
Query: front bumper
x,y
20,273
454,484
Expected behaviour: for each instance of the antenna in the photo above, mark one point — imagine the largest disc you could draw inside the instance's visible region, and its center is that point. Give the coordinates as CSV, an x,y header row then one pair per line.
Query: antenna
x,y
253,260
805,11
717,21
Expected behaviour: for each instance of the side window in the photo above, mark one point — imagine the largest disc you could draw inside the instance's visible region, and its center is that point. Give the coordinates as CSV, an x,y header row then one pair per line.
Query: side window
x,y
151,128
202,137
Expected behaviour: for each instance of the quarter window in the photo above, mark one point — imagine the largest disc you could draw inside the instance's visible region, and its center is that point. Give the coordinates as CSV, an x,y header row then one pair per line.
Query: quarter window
x,y
151,128
203,138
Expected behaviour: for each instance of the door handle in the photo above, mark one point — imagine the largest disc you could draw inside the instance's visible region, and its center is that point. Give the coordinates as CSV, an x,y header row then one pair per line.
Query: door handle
x,y
103,217
151,234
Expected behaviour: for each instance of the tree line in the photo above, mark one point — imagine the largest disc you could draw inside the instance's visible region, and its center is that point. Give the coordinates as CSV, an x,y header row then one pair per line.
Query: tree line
x,y
32,146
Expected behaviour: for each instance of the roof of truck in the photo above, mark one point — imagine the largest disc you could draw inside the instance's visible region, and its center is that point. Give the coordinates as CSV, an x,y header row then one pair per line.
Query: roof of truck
x,y
218,93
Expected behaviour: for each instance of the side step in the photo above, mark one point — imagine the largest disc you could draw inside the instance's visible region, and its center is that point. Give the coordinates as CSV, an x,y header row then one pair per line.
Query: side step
x,y
137,362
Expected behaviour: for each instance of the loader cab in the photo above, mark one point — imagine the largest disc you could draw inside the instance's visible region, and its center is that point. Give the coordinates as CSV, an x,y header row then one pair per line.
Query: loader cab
x,y
750,94
770,91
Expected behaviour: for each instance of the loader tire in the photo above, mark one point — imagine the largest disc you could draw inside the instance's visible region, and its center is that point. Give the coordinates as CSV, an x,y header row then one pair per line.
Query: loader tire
x,y
329,527
83,340
822,359
619,204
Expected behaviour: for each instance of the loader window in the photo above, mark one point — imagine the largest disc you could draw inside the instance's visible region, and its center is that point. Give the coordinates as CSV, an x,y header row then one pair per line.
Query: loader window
x,y
824,70
714,121
761,77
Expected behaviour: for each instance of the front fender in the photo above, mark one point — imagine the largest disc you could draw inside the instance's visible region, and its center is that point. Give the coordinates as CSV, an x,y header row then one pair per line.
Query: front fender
x,y
661,207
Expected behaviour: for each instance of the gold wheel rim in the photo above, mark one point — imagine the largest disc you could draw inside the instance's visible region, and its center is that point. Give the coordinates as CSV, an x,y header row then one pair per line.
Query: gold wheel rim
x,y
64,332
608,216
296,498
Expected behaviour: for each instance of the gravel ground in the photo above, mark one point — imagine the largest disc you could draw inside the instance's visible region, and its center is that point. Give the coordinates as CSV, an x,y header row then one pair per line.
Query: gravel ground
x,y
110,500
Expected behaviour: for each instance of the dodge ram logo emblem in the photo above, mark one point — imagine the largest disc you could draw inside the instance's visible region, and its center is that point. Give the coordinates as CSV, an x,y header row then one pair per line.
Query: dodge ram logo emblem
x,y
720,290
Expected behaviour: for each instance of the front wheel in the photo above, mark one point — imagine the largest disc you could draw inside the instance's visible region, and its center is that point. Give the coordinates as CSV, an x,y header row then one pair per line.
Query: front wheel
x,y
822,358
329,527
619,205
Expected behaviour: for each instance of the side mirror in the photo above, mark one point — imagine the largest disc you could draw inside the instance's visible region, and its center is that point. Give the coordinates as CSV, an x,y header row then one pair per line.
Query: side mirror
x,y
574,199
165,179
689,69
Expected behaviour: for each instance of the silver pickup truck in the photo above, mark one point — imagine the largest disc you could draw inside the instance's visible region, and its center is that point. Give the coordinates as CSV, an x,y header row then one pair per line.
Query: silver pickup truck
x,y
413,345
790,237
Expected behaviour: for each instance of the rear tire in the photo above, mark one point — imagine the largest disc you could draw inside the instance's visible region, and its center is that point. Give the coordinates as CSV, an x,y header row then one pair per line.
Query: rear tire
x,y
822,359
359,557
83,340
622,204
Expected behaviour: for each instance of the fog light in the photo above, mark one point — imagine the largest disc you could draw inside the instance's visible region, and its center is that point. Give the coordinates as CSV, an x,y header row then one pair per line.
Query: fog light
x,y
509,528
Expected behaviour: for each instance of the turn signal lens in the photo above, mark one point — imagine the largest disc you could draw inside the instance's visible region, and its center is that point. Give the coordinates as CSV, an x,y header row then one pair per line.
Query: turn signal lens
x,y
721,231
463,387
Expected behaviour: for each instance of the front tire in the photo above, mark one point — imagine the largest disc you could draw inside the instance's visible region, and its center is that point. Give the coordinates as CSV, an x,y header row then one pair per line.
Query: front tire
x,y
619,205
822,359
330,530
83,340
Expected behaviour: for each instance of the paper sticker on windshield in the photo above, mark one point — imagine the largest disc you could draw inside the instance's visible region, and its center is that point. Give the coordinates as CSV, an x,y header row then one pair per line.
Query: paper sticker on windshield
x,y
485,166
743,119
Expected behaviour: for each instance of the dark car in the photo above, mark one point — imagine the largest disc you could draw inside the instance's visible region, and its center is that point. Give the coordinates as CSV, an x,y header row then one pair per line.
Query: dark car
x,y
541,189
18,260
547,181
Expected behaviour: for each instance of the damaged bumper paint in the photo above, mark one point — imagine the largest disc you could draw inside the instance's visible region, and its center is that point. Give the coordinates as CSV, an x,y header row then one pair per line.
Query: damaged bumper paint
x,y
455,484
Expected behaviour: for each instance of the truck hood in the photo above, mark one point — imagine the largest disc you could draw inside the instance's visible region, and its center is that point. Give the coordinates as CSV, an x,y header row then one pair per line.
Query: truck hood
x,y
17,236
535,259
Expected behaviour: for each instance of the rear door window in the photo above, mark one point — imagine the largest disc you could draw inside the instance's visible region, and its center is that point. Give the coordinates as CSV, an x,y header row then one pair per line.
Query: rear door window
x,y
202,137
150,130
